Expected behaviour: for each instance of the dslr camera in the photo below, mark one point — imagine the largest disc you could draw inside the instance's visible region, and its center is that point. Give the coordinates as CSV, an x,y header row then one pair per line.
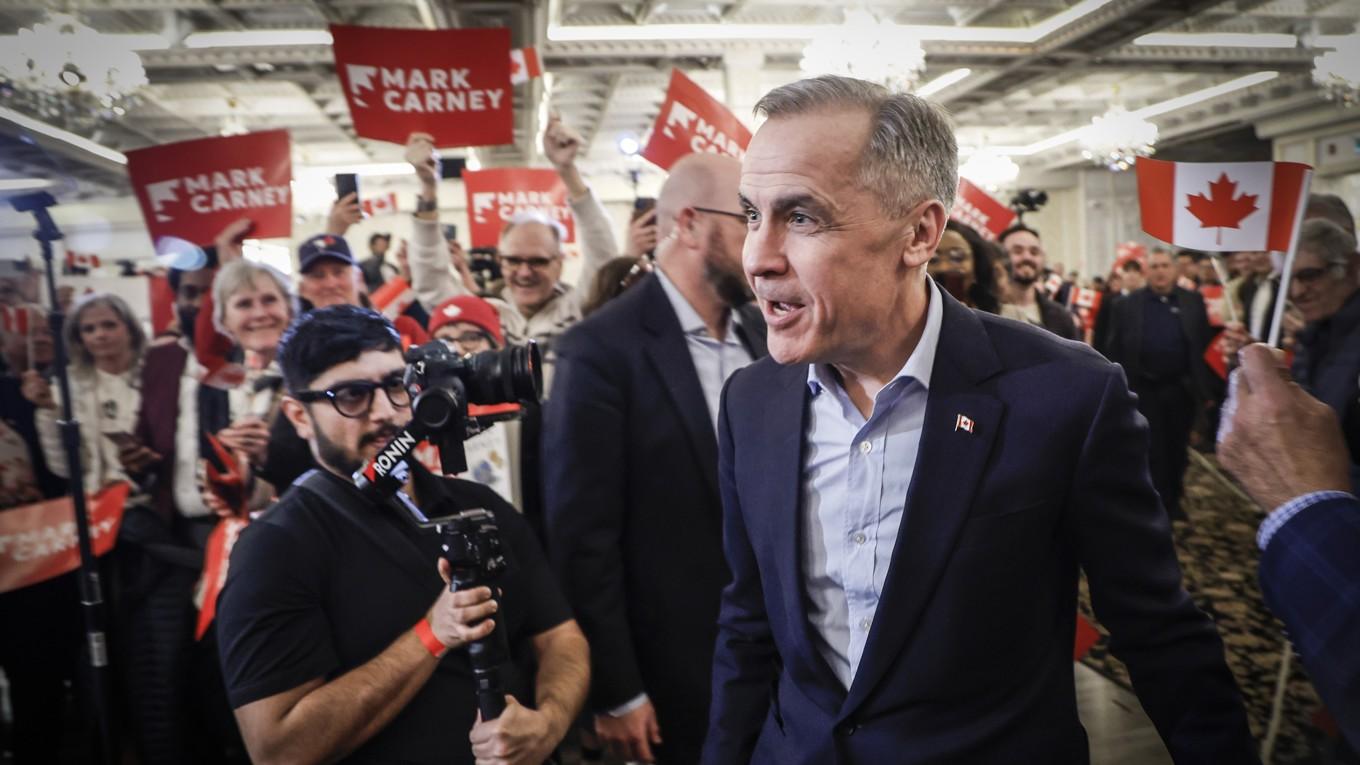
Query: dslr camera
x,y
454,397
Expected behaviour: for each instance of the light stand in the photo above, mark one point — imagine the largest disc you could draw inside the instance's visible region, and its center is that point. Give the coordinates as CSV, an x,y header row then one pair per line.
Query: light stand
x,y
91,593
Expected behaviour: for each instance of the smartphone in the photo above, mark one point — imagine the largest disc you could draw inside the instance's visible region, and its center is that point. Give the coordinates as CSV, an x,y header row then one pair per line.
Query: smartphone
x,y
641,206
346,183
450,232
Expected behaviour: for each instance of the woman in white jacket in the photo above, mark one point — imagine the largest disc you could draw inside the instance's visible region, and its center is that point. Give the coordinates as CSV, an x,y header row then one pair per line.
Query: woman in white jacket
x,y
105,343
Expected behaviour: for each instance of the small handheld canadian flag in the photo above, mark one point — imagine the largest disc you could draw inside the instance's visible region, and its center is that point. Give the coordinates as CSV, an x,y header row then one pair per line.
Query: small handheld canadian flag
x,y
383,205
1227,207
81,261
524,65
1053,284
1223,206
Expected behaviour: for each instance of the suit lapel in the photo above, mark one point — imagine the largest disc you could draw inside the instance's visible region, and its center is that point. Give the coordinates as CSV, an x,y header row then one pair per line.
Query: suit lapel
x,y
948,471
777,474
668,354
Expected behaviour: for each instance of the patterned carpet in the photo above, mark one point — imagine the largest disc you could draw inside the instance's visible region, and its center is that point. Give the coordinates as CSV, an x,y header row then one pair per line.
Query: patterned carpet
x,y
1217,549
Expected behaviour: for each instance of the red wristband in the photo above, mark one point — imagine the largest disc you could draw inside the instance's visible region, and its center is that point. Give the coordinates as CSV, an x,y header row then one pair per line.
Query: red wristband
x,y
427,638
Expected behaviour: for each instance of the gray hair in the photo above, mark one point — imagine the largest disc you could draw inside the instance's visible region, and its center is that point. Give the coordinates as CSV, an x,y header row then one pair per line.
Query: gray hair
x,y
911,155
559,231
1330,207
1330,242
238,275
81,355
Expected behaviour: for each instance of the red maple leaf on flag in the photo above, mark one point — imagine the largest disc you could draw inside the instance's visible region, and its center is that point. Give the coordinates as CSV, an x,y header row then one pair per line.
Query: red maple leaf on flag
x,y
1220,209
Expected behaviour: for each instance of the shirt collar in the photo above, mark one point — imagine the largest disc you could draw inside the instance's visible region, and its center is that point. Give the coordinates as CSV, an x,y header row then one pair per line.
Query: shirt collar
x,y
691,323
920,364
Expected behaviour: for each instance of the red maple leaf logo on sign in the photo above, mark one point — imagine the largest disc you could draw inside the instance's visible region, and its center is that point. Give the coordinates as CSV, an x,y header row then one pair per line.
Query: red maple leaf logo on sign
x,y
1220,210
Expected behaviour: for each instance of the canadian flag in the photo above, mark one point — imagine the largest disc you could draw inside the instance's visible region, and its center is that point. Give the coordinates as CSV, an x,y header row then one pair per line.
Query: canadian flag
x,y
383,205
81,260
1053,284
1087,303
1223,206
524,65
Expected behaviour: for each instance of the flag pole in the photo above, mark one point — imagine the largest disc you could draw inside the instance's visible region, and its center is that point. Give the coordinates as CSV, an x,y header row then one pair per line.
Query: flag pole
x,y
1282,297
1223,279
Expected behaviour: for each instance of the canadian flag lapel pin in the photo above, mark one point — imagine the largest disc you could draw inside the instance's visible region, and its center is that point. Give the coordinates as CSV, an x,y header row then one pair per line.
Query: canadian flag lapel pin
x,y
963,422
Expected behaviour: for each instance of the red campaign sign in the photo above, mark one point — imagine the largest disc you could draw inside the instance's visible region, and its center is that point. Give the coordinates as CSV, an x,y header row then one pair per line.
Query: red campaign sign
x,y
193,189
494,197
984,212
693,121
451,83
38,541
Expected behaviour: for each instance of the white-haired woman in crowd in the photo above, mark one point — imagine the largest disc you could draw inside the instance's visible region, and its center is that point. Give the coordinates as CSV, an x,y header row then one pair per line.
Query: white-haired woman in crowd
x,y
105,343
176,712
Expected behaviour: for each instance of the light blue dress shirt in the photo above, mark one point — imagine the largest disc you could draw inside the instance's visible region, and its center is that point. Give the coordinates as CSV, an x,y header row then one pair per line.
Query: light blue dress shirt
x,y
714,360
856,473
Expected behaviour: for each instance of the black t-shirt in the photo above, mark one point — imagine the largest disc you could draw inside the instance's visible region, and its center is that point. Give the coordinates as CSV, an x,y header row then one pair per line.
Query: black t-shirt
x,y
314,591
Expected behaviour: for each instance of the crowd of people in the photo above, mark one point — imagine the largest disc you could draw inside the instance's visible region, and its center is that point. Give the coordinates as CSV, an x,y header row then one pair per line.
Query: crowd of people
x,y
759,421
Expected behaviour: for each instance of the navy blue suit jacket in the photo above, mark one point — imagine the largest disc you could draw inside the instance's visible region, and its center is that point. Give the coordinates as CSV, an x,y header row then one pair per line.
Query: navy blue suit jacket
x,y
1310,577
970,655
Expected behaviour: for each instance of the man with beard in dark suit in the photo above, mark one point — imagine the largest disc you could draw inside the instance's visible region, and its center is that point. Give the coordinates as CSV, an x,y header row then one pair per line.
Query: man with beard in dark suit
x,y
630,467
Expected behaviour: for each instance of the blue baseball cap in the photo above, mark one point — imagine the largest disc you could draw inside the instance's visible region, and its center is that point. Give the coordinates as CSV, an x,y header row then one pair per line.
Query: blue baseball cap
x,y
323,246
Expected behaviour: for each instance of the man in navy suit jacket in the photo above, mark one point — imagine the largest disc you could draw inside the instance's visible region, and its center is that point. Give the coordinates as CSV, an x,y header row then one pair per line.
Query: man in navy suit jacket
x,y
910,487
1287,448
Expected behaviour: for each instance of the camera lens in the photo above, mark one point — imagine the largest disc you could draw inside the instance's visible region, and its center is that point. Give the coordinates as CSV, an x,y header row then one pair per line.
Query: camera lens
x,y
505,376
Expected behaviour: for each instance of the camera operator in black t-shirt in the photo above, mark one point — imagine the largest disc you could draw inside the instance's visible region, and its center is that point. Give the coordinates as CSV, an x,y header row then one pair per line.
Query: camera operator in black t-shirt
x,y
335,622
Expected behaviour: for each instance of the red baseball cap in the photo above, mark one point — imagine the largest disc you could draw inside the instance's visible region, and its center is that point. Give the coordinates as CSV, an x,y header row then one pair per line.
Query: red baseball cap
x,y
472,310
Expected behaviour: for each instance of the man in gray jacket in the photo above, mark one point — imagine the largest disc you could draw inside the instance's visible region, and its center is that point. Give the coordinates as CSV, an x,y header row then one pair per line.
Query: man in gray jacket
x,y
534,304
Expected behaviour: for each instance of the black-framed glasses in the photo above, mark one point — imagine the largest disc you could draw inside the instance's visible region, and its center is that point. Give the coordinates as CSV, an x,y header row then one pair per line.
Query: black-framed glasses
x,y
354,398
739,216
535,263
474,337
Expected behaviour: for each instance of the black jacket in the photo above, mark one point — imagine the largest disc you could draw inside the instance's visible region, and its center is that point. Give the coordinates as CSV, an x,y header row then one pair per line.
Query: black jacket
x,y
1056,318
1124,341
630,462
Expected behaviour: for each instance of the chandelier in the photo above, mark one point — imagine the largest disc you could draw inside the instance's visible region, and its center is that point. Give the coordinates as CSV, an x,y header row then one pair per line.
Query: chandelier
x,y
1117,138
66,72
989,169
1338,71
868,48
